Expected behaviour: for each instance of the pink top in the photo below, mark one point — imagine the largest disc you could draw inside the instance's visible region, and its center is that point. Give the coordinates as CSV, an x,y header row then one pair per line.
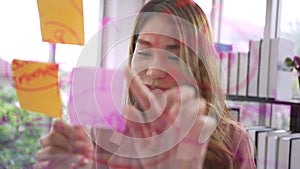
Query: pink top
x,y
239,146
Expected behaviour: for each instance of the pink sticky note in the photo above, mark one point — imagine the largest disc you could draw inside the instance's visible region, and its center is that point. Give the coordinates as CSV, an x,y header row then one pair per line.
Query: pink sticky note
x,y
97,97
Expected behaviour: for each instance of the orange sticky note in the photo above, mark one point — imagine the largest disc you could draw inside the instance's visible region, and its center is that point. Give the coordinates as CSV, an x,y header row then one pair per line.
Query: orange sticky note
x,y
37,86
61,21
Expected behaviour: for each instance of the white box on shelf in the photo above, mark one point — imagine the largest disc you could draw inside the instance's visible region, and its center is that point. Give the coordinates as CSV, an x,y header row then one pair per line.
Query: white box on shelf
x,y
254,51
284,151
284,85
224,59
272,140
242,73
295,153
252,131
263,69
261,147
233,73
280,48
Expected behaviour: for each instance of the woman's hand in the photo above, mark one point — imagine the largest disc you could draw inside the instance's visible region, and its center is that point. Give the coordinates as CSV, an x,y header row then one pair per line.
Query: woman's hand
x,y
65,146
170,129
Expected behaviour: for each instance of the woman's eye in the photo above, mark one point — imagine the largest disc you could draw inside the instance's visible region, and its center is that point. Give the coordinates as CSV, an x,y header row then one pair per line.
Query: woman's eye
x,y
173,58
142,53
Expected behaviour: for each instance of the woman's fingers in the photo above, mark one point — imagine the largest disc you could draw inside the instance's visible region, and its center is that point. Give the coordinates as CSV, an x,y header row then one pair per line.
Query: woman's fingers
x,y
181,94
63,146
56,139
188,113
147,100
64,161
50,153
63,135
183,100
82,134
135,122
40,164
70,132
66,130
81,147
138,89
209,124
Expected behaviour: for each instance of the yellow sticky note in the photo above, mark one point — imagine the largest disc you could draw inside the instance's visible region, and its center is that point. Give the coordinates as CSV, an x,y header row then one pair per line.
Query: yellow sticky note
x,y
37,86
61,21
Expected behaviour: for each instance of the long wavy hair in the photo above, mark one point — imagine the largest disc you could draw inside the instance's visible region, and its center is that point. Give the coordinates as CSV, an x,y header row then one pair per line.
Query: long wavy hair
x,y
200,55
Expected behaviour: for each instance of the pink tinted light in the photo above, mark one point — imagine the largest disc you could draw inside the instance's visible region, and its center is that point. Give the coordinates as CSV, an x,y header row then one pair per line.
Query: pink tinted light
x,y
97,97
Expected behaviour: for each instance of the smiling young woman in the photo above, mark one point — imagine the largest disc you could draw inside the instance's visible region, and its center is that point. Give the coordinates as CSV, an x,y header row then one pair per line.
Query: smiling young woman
x,y
176,116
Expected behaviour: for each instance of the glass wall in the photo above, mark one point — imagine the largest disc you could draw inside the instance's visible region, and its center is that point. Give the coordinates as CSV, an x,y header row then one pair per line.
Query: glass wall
x,y
206,6
290,22
242,21
20,38
238,21
20,34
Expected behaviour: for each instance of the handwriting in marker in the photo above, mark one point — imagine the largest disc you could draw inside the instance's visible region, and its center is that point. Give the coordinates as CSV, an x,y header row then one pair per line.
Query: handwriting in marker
x,y
37,86
61,21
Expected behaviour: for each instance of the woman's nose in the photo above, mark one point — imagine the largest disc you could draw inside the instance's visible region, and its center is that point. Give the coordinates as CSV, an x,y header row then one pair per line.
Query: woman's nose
x,y
156,73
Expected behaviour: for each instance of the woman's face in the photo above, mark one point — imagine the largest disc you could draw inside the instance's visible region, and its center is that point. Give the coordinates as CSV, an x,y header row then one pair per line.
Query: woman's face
x,y
156,57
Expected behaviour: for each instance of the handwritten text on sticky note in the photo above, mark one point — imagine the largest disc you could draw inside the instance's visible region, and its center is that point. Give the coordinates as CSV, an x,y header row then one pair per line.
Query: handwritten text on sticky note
x,y
37,86
61,21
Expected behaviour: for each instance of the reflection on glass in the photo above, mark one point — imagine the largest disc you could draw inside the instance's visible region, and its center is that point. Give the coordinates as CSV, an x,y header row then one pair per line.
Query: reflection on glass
x,y
290,22
206,7
242,21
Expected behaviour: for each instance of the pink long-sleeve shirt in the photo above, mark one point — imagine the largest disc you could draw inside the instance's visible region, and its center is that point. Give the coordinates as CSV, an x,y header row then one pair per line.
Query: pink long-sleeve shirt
x,y
239,147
